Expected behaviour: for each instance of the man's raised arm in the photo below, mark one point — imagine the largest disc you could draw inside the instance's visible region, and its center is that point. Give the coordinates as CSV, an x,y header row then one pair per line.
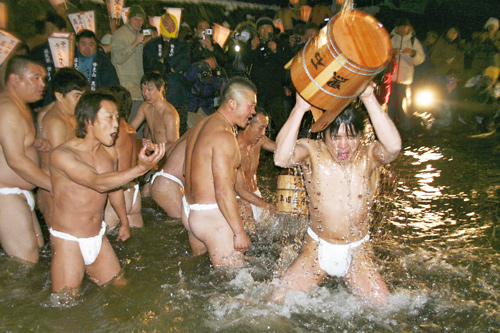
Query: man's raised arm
x,y
288,153
81,173
387,133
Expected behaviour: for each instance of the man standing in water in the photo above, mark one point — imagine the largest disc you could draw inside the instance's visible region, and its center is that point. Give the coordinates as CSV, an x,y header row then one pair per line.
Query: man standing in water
x,y
210,210
250,141
167,185
161,116
58,125
341,180
20,233
82,172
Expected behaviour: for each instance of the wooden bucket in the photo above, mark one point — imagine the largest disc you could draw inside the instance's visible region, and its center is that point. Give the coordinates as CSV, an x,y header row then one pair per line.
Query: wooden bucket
x,y
292,196
334,67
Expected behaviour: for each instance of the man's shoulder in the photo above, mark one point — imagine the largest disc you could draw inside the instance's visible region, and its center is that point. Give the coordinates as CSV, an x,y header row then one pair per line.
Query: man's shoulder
x,y
168,108
9,108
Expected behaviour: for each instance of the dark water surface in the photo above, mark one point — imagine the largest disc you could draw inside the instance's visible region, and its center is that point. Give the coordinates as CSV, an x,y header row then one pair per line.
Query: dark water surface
x,y
435,238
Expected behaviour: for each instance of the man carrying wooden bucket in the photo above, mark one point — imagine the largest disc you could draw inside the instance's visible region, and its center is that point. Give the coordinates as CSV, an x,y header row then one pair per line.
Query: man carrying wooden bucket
x,y
341,177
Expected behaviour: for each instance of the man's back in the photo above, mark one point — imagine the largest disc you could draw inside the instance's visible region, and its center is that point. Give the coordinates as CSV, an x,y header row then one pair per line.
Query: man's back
x,y
210,138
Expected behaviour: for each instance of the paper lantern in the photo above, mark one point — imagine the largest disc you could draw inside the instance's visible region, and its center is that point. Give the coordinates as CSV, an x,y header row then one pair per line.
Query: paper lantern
x,y
305,13
279,24
221,33
7,44
125,14
115,8
3,16
177,12
155,22
62,47
82,20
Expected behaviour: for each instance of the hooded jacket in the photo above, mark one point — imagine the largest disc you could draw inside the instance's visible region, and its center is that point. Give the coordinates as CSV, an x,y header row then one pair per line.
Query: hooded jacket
x,y
406,63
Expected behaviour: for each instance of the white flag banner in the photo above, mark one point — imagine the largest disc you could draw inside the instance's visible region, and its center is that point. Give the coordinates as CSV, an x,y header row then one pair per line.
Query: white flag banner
x,y
77,21
115,8
90,20
62,47
82,20
7,44
125,14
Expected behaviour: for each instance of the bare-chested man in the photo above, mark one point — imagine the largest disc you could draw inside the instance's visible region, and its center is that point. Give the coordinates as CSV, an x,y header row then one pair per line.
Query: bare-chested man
x,y
161,116
59,125
20,233
126,149
341,179
82,172
210,210
167,185
251,140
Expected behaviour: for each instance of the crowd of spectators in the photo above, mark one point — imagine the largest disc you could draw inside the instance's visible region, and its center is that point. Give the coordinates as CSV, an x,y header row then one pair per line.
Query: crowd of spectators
x,y
195,67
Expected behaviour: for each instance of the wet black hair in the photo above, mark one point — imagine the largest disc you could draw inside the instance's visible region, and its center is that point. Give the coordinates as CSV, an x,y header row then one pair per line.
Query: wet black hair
x,y
258,110
87,108
86,34
69,79
123,100
155,78
352,117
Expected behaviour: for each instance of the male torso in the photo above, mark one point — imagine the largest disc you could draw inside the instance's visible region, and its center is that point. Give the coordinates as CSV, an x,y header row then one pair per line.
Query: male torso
x,y
78,210
56,127
250,156
159,116
340,195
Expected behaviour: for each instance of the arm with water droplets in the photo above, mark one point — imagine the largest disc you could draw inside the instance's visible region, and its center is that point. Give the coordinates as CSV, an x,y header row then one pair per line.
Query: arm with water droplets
x,y
288,153
389,141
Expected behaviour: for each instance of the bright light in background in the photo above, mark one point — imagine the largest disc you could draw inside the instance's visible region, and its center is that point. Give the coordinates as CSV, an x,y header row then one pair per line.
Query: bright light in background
x,y
425,98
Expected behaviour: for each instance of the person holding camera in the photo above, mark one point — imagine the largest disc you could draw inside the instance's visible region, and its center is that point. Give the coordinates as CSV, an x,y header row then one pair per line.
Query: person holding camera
x,y
127,45
485,48
408,53
237,46
203,43
170,56
266,57
205,79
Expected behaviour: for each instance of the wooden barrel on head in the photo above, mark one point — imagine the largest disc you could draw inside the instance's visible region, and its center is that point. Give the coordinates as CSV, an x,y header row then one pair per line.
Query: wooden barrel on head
x,y
334,67
291,195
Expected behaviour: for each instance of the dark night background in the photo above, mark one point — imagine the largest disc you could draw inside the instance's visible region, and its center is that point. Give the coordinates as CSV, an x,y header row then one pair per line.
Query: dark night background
x,y
437,15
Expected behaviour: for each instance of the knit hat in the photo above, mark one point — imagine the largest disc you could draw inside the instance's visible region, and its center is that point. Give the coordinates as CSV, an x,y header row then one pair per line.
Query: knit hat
x,y
136,10
492,72
106,39
492,21
264,20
